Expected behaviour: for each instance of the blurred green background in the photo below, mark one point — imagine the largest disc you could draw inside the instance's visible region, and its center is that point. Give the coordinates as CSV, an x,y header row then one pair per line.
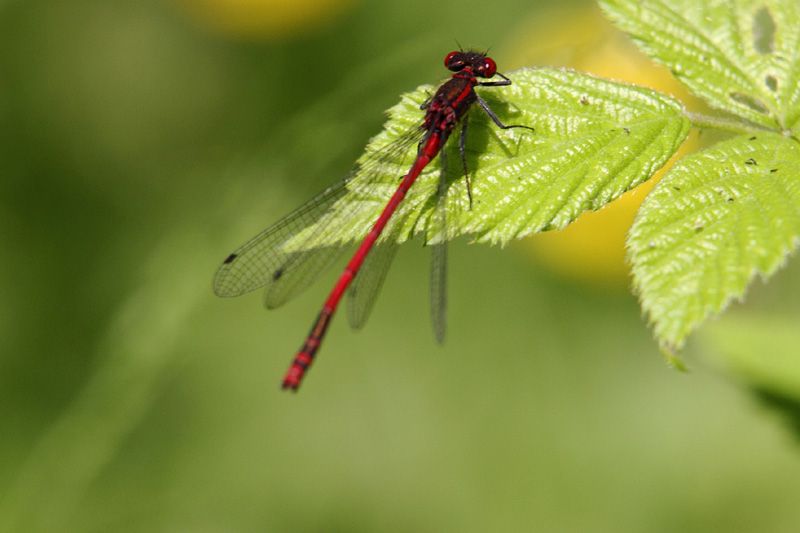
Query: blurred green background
x,y
143,140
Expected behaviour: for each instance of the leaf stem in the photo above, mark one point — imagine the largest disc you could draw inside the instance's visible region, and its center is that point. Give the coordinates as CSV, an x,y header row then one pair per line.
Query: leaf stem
x,y
702,121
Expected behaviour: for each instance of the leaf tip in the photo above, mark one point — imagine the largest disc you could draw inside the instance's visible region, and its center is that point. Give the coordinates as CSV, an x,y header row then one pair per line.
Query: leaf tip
x,y
673,359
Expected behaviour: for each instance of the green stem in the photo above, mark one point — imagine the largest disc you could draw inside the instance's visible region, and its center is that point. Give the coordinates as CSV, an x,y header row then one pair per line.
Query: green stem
x,y
724,124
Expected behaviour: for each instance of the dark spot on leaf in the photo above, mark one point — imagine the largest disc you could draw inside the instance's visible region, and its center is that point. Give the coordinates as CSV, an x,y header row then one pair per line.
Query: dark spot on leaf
x,y
277,274
751,162
753,138
763,31
753,103
771,82
698,229
773,170
730,199
627,131
676,188
229,259
584,100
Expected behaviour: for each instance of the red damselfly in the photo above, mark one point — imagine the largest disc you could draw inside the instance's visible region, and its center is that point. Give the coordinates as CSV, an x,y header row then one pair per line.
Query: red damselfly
x,y
273,259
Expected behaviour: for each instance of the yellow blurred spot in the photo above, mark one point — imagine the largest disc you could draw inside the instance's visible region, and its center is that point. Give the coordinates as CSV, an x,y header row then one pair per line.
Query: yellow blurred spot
x,y
591,249
264,19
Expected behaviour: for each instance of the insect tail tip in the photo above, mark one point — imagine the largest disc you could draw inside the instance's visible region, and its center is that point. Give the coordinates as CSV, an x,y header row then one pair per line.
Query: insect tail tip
x,y
290,386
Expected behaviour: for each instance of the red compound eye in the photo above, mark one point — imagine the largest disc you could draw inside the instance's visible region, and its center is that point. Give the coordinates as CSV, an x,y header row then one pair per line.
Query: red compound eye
x,y
489,67
454,61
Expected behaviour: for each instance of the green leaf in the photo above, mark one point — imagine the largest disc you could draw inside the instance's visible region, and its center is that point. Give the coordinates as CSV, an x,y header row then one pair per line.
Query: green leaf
x,y
741,56
716,220
593,140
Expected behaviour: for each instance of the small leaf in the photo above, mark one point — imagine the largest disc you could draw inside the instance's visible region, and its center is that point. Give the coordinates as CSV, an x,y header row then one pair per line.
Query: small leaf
x,y
593,140
718,218
741,56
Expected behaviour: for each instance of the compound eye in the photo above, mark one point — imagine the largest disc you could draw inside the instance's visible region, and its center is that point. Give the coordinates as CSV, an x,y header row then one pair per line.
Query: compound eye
x,y
454,61
489,67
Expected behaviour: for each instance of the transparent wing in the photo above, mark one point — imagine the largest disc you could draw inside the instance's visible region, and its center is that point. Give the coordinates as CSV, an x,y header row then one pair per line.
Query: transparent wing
x,y
365,288
439,291
274,259
439,258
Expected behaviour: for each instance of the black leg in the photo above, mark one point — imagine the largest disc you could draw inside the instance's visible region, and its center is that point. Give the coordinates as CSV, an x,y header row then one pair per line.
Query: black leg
x,y
426,104
462,148
496,119
503,83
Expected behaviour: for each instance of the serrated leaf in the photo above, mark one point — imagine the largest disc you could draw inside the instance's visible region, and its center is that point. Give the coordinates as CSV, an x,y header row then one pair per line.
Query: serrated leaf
x,y
741,56
717,219
594,139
